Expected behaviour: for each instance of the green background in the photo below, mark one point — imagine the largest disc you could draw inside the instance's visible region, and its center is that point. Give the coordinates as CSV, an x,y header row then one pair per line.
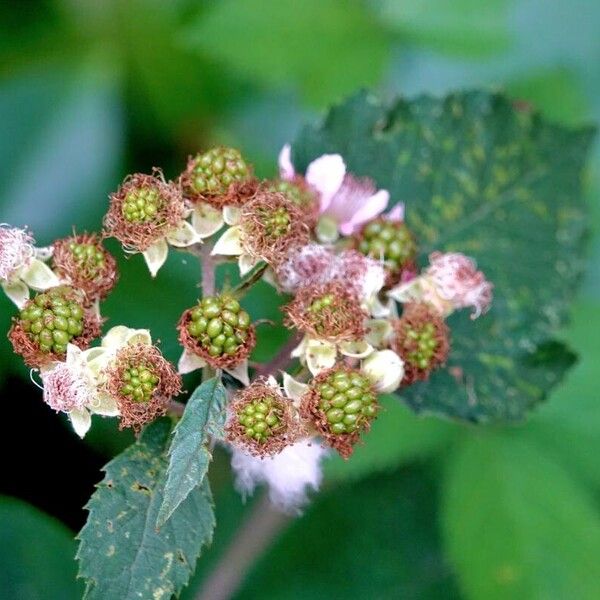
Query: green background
x,y
427,509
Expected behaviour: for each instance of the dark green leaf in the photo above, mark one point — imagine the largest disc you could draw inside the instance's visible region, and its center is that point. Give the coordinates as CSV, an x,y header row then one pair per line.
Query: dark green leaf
x,y
189,455
481,177
517,525
36,555
122,555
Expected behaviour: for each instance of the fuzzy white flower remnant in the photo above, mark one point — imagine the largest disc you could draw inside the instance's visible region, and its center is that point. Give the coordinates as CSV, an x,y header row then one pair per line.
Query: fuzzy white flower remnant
x,y
16,250
290,475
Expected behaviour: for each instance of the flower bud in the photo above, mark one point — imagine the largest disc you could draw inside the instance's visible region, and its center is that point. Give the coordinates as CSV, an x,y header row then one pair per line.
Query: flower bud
x,y
218,330
421,339
341,403
261,420
219,177
328,312
83,261
142,383
143,210
49,322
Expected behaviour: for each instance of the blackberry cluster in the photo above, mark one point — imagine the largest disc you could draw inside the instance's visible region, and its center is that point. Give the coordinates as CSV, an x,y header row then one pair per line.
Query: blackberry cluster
x,y
219,324
139,382
141,205
347,401
88,257
389,241
276,223
52,319
214,171
297,194
261,418
420,345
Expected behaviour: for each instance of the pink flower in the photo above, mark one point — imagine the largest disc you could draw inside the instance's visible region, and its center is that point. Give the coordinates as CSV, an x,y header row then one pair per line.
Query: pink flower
x,y
66,388
456,279
16,250
345,202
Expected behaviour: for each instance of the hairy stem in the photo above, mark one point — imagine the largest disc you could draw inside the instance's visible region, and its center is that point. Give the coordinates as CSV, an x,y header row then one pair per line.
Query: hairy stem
x,y
281,359
252,539
207,263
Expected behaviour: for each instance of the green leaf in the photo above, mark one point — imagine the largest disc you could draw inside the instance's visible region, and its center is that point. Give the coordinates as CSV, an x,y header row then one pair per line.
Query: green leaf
x,y
189,455
397,436
308,44
122,555
35,556
481,177
517,525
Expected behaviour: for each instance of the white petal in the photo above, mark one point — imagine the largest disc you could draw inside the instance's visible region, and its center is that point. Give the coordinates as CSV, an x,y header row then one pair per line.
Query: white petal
x,y
182,237
320,356
359,349
103,404
38,276
272,382
327,230
232,215
240,372
326,174
206,220
75,355
378,309
189,362
230,243
44,253
119,335
286,168
293,389
378,331
156,255
17,291
385,369
81,421
246,263
300,349
407,292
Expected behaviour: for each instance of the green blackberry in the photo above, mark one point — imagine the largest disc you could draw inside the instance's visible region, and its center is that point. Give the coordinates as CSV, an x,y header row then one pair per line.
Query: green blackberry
x,y
390,241
214,171
260,418
347,401
88,257
52,319
141,205
299,195
139,382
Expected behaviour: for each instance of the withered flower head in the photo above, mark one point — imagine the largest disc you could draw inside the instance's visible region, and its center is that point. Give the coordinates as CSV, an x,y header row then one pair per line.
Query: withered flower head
x,y
271,225
421,339
392,243
83,261
143,210
329,311
218,330
142,382
298,192
340,404
220,177
49,322
261,420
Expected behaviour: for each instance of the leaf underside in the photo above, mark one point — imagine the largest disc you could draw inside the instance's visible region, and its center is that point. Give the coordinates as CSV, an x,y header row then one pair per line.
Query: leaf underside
x,y
485,177
122,554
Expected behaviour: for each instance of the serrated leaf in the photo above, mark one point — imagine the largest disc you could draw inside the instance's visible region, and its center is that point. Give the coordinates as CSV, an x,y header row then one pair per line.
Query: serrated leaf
x,y
189,455
122,555
516,523
481,177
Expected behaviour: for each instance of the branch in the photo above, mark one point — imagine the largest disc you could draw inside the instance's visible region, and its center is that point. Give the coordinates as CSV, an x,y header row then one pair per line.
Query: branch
x,y
281,360
254,537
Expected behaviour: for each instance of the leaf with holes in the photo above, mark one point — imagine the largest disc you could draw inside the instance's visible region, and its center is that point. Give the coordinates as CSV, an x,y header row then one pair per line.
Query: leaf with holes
x,y
122,554
189,455
485,177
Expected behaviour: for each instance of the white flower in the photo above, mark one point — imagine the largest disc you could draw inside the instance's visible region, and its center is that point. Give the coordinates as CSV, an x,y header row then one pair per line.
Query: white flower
x,y
290,475
20,265
189,362
385,370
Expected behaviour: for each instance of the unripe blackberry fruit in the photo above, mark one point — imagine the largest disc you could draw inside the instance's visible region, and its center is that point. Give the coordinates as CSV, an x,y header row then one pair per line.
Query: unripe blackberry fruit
x,y
218,330
300,194
83,261
328,311
421,339
49,322
341,403
142,383
219,176
261,420
390,241
143,210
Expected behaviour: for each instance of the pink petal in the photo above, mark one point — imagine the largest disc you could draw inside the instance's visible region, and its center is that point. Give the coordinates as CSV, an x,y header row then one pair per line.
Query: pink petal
x,y
326,175
373,207
397,213
286,168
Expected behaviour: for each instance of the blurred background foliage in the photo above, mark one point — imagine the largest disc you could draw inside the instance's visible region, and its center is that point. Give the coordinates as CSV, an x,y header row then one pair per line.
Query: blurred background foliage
x,y
90,91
